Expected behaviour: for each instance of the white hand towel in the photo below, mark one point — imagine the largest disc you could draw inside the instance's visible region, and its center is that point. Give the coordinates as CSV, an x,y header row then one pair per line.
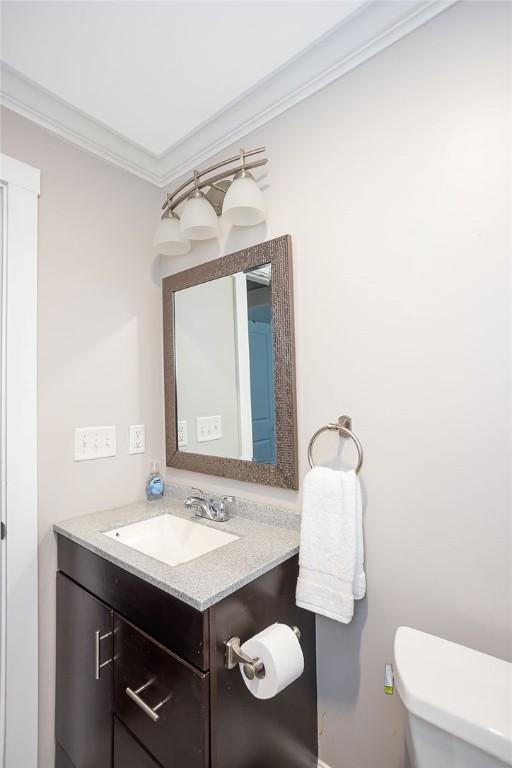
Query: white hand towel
x,y
331,554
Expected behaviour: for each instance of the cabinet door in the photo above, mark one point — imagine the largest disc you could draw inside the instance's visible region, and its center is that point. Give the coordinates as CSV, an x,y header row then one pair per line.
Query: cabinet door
x,y
83,715
128,753
247,732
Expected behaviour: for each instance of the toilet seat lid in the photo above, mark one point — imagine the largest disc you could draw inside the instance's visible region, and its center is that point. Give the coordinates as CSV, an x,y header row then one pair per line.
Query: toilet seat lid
x,y
462,691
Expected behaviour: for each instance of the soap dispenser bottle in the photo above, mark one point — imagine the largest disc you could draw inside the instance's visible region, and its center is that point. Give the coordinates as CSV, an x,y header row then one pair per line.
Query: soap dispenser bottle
x,y
155,483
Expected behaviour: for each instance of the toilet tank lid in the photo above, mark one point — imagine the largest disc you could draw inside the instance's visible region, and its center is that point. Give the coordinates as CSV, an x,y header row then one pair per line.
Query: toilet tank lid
x,y
462,691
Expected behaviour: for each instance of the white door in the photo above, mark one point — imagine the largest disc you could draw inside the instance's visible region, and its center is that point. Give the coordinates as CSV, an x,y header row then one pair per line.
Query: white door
x,y
19,185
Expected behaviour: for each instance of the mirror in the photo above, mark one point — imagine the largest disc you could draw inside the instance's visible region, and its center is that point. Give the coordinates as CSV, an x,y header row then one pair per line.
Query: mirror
x,y
229,366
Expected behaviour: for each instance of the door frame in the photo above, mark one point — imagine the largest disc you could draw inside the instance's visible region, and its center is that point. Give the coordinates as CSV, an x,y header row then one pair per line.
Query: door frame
x,y
243,364
18,471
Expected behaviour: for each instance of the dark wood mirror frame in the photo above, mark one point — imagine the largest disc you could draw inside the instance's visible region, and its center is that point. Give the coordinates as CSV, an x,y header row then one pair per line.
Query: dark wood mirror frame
x,y
284,473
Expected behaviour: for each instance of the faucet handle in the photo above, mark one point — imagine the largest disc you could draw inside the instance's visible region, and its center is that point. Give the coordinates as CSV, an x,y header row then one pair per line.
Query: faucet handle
x,y
220,505
198,492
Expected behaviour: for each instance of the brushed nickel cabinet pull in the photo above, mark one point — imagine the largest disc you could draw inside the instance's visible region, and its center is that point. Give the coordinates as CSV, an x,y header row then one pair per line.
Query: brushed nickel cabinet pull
x,y
98,637
150,712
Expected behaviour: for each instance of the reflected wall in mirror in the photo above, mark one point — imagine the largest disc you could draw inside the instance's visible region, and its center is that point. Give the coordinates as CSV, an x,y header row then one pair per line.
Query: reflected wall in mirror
x,y
224,367
229,366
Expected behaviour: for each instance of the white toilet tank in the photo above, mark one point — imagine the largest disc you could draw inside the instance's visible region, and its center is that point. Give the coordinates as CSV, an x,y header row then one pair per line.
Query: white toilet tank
x,y
458,703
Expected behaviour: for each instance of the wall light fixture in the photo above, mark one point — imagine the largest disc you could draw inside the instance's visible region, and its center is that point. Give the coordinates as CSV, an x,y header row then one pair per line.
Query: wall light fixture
x,y
232,193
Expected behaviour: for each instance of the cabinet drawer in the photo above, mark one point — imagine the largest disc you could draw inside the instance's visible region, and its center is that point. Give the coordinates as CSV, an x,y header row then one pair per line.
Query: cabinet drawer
x,y
163,700
127,752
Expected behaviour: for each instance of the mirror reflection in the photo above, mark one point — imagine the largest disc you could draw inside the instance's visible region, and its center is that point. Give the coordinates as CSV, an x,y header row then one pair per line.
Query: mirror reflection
x,y
224,367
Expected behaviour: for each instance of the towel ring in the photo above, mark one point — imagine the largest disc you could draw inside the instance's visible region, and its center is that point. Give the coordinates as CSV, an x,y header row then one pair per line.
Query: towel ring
x,y
344,429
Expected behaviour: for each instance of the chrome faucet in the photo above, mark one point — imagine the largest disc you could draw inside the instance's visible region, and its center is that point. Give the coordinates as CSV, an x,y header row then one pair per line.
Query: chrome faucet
x,y
212,509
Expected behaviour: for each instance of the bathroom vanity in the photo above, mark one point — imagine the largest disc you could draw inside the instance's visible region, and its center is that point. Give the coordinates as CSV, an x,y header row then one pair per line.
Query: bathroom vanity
x,y
142,680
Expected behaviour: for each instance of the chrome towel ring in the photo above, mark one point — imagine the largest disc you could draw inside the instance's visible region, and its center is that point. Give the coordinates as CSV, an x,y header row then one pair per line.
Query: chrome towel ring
x,y
344,429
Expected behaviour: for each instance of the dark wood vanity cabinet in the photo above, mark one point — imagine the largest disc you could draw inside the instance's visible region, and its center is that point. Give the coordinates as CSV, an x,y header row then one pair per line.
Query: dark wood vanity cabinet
x,y
141,678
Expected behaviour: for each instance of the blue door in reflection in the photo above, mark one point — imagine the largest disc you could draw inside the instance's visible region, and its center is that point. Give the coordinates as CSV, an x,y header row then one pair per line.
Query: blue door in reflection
x,y
262,383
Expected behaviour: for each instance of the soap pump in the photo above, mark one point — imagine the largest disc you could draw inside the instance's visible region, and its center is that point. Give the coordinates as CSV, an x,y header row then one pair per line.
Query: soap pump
x,y
155,483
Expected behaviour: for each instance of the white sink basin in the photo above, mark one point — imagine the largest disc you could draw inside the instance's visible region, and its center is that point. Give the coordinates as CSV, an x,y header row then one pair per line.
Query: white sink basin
x,y
171,539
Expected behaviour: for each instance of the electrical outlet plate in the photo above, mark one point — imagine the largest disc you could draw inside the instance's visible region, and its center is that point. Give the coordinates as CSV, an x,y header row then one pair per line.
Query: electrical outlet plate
x,y
95,443
182,434
208,428
137,438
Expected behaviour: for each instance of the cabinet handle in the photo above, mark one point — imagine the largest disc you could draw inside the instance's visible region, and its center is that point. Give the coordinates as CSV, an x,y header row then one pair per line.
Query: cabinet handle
x,y
98,637
150,712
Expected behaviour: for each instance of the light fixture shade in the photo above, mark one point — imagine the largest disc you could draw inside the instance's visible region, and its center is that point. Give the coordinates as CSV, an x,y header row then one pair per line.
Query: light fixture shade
x,y
198,219
244,205
168,239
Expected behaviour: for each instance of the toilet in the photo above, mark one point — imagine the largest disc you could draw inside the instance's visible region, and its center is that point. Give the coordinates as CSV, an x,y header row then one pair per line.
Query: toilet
x,y
458,703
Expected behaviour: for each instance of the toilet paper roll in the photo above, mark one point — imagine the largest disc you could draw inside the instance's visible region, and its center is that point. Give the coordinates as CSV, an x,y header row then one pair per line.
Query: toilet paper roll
x,y
279,649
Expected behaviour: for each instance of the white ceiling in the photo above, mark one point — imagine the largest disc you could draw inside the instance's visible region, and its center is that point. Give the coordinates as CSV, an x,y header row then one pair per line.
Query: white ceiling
x,y
159,87
154,71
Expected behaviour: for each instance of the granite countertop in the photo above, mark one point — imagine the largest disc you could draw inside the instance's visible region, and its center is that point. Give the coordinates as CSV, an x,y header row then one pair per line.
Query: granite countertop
x,y
267,536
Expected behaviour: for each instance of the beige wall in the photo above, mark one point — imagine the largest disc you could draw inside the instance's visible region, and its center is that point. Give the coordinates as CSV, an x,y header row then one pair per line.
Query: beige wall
x,y
99,324
395,184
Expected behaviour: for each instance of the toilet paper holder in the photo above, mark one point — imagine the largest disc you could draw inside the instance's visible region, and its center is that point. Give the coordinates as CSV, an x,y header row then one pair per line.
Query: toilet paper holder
x,y
252,667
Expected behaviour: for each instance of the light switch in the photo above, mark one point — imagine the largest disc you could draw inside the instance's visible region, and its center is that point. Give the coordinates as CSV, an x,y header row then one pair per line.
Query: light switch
x,y
208,428
137,438
182,434
94,443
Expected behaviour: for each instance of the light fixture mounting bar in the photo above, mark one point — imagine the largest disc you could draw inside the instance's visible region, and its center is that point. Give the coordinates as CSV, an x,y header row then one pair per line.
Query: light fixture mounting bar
x,y
170,206
174,199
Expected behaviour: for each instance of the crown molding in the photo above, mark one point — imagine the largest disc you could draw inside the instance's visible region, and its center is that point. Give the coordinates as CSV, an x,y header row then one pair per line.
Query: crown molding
x,y
365,33
30,100
370,29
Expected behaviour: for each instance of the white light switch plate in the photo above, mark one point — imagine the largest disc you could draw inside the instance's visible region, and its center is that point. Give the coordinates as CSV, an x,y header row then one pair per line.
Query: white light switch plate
x,y
137,438
94,443
182,434
208,428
